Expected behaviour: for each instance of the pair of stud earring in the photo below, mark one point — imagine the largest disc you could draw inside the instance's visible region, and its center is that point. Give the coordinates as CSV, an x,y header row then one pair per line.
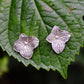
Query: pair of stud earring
x,y
25,45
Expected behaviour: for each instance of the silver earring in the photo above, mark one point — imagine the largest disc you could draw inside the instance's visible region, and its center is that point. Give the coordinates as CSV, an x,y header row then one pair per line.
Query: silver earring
x,y
58,38
25,45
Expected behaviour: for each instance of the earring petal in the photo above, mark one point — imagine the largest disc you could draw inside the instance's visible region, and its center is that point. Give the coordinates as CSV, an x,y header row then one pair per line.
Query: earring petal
x,y
58,46
50,37
33,41
26,52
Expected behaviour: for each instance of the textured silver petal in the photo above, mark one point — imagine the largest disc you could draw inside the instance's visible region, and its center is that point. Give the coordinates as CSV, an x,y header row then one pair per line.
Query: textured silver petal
x,y
65,36
22,35
33,41
50,37
56,30
25,45
58,46
26,52
18,45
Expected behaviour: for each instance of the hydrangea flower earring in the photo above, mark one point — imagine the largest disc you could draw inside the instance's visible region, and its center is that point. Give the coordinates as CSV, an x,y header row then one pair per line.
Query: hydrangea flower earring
x,y
58,38
25,45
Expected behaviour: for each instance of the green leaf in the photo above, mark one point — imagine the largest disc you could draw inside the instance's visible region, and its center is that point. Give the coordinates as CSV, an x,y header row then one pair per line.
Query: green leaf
x,y
3,65
36,18
80,58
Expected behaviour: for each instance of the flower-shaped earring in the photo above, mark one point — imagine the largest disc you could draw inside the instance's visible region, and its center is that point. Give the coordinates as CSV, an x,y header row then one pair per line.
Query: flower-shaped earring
x,y
58,38
25,45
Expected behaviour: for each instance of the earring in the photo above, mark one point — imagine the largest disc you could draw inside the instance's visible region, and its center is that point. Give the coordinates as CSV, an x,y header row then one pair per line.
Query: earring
x,y
25,45
58,38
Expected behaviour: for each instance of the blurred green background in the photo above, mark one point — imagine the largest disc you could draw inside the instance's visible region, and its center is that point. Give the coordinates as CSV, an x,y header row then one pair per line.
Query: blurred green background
x,y
14,72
